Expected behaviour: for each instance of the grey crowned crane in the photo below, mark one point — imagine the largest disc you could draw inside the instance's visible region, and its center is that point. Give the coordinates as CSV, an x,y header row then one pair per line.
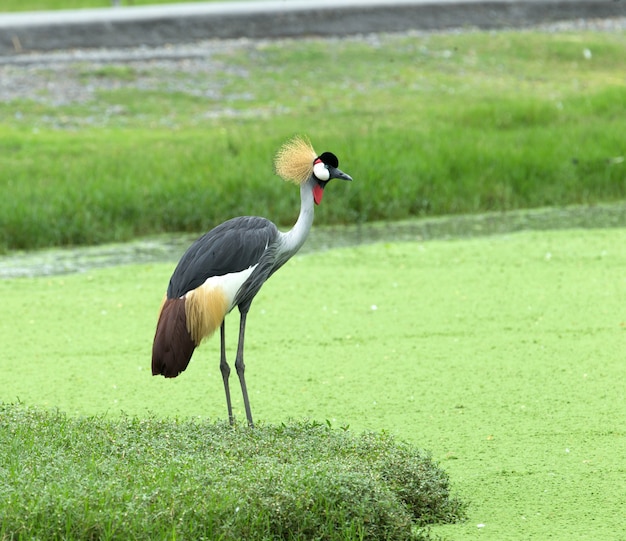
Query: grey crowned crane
x,y
227,266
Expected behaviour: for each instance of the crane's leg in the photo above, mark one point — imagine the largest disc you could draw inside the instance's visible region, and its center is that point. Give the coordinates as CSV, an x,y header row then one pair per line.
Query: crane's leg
x,y
241,367
225,370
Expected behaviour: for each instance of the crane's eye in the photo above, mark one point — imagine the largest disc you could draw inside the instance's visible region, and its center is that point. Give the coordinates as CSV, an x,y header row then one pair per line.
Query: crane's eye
x,y
320,170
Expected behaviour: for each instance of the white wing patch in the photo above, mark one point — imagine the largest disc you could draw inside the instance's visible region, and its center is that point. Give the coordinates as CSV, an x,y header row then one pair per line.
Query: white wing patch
x,y
229,284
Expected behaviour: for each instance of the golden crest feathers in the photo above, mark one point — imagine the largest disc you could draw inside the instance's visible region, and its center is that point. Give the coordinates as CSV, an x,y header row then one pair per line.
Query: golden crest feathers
x,y
294,160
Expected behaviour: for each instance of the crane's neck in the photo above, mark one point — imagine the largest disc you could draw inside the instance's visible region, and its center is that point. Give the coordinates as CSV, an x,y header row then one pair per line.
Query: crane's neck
x,y
292,240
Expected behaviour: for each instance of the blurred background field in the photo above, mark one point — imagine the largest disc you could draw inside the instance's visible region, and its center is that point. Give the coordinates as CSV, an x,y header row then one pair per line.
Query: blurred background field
x,y
99,150
38,5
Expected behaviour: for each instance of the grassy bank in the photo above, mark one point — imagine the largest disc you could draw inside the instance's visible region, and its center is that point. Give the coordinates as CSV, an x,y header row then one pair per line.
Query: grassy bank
x,y
427,125
503,356
37,5
91,478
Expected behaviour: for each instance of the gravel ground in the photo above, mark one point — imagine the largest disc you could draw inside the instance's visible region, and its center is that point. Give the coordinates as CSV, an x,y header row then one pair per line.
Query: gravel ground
x,y
70,77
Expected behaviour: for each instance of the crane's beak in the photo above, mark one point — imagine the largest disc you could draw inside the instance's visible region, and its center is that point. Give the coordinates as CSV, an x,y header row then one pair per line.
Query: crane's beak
x,y
338,173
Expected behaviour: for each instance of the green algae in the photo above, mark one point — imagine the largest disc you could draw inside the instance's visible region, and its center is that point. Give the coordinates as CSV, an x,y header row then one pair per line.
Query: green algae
x,y
503,355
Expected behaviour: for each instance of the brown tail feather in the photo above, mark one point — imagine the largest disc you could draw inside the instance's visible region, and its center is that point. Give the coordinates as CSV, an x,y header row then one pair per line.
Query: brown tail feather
x,y
173,345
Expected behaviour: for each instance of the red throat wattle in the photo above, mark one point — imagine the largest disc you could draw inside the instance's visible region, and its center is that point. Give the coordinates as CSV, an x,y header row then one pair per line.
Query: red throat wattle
x,y
318,192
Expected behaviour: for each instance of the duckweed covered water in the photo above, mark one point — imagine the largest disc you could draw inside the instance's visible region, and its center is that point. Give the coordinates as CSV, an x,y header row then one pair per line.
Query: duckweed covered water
x,y
168,248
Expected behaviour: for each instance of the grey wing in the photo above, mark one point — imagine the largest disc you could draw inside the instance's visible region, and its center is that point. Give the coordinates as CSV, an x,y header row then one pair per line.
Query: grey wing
x,y
233,246
261,273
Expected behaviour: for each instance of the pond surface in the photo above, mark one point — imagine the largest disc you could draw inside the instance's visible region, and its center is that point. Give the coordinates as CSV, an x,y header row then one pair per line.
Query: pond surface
x,y
169,248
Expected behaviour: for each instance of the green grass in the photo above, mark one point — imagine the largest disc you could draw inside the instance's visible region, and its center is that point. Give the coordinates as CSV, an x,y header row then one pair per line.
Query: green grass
x,y
38,5
427,125
502,356
92,478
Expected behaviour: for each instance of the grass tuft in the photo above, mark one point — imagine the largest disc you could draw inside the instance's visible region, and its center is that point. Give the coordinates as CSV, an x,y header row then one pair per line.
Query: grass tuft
x,y
93,478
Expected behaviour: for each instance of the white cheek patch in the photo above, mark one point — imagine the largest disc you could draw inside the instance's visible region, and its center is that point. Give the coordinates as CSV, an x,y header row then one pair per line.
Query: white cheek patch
x,y
320,171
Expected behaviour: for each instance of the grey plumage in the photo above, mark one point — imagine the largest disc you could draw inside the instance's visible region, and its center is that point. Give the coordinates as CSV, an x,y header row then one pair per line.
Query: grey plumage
x,y
232,246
